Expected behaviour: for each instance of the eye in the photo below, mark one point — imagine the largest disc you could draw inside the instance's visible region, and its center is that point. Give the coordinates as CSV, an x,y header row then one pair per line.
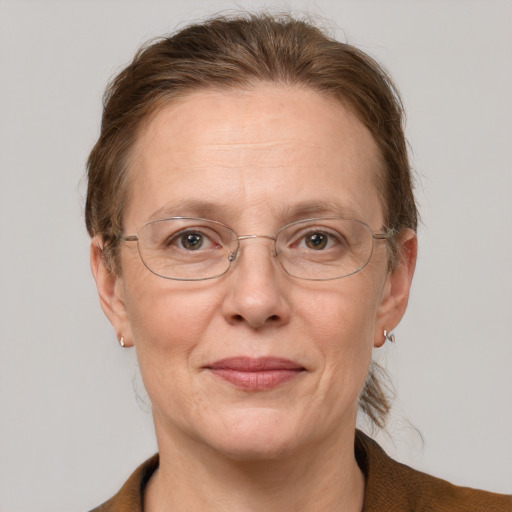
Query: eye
x,y
184,238
316,241
323,239
192,241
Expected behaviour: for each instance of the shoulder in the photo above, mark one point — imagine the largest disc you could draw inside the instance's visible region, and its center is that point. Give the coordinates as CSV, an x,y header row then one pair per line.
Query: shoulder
x,y
392,486
130,497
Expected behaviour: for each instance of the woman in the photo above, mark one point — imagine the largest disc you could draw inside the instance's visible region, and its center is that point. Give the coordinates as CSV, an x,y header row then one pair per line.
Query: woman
x,y
253,237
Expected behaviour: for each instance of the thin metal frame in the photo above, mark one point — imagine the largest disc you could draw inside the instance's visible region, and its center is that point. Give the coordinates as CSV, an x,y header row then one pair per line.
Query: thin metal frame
x,y
233,256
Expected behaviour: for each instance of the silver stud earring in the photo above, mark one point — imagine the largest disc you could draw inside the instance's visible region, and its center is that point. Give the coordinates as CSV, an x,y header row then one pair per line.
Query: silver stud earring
x,y
389,336
121,342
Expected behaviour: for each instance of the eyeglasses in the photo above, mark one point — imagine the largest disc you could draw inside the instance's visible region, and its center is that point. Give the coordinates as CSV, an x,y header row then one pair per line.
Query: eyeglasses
x,y
191,249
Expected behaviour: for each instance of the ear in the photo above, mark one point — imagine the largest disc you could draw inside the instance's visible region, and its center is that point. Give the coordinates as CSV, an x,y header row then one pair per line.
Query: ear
x,y
395,295
111,292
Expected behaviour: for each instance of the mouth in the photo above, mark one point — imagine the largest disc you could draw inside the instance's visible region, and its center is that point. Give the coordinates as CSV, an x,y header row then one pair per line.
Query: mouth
x,y
256,374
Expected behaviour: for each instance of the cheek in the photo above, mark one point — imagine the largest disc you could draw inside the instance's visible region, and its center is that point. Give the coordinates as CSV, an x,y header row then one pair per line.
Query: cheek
x,y
341,321
347,310
168,324
168,319
337,322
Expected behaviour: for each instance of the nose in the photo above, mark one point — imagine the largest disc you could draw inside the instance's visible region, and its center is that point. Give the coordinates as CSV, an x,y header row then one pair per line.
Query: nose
x,y
257,285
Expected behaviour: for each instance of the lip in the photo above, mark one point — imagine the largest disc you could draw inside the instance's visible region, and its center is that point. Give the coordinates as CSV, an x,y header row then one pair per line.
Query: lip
x,y
255,374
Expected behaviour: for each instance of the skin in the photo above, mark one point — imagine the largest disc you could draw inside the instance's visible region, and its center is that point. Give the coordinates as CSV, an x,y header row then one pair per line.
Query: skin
x,y
255,156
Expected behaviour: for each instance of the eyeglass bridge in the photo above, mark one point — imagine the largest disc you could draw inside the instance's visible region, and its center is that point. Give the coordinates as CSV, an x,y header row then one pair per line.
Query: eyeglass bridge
x,y
233,255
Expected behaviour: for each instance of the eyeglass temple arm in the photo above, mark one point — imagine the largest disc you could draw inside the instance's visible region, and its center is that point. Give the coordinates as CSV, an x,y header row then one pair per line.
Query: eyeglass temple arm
x,y
384,236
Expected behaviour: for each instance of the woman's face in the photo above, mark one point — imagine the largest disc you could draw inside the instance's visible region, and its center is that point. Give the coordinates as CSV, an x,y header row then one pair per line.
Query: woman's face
x,y
254,160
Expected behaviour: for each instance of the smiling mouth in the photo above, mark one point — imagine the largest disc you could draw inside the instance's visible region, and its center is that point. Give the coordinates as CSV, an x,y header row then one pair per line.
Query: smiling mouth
x,y
256,374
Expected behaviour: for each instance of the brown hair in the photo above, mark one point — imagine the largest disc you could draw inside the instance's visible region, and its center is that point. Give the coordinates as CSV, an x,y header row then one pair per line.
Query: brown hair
x,y
238,52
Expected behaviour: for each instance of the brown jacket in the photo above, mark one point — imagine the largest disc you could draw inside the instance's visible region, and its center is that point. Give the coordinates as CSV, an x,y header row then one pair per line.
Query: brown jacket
x,y
390,487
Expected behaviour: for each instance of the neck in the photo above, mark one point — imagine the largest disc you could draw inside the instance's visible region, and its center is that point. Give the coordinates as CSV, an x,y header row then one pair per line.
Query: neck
x,y
194,479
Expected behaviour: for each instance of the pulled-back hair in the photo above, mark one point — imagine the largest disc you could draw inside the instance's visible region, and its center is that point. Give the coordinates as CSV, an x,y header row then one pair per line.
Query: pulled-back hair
x,y
240,52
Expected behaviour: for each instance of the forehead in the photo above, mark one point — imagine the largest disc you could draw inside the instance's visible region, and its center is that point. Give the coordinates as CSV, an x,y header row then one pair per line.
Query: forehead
x,y
238,151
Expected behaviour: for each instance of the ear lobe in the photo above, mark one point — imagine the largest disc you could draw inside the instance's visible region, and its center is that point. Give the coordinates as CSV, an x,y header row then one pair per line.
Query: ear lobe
x,y
395,294
110,291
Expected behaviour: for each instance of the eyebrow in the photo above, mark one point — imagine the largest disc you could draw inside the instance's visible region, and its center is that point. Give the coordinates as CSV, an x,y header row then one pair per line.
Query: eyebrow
x,y
188,208
288,213
313,208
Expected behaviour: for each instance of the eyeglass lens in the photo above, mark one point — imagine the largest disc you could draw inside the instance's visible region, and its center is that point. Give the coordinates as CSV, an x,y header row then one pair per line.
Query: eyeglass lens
x,y
198,249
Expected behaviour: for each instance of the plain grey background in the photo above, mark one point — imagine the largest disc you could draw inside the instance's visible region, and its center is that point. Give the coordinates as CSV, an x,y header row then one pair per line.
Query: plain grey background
x,y
73,421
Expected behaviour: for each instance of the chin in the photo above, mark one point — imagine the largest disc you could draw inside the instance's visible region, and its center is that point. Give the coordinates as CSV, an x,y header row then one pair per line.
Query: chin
x,y
255,434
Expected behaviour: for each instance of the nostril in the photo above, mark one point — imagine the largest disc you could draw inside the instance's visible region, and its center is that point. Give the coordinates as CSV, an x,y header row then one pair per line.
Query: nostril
x,y
241,319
